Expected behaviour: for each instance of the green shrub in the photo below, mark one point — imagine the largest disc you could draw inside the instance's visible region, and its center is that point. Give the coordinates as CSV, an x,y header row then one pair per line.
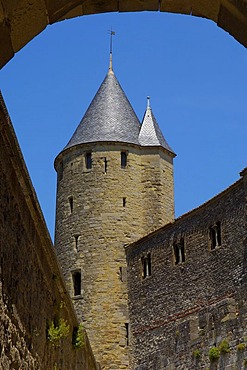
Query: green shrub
x,y
197,353
224,347
241,346
57,332
214,354
78,339
245,363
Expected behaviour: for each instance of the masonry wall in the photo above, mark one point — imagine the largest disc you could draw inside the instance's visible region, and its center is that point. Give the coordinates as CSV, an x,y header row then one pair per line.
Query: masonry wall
x,y
157,187
90,239
32,291
182,310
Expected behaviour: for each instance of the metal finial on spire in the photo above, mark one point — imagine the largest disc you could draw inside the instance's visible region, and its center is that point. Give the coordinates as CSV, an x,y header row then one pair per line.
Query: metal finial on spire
x,y
148,101
112,33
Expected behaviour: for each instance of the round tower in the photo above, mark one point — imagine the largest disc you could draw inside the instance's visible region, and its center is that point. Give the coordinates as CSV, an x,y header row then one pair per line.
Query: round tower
x,y
114,185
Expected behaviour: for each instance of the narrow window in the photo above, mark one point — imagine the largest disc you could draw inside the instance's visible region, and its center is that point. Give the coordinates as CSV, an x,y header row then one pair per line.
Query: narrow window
x,y
88,160
179,252
123,159
105,161
127,333
77,242
121,273
71,204
215,235
124,202
77,283
146,266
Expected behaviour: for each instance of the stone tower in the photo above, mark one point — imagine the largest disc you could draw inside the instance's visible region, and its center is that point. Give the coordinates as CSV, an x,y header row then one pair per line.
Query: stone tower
x,y
114,185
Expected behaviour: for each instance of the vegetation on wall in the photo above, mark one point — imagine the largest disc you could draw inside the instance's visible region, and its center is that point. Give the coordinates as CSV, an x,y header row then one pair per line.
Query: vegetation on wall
x,y
241,346
224,347
78,337
58,332
214,354
197,354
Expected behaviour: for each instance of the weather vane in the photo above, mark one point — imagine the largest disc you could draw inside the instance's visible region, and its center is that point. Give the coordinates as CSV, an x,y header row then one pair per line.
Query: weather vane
x,y
112,33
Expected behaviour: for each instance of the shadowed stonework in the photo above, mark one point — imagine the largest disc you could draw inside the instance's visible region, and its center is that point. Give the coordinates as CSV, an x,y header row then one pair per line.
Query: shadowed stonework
x,y
32,290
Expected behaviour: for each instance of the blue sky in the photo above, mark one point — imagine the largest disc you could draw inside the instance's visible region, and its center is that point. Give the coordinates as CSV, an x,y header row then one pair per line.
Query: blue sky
x,y
194,72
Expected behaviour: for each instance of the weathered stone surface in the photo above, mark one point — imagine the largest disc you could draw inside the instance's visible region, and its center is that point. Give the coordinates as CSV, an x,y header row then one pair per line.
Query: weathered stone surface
x,y
32,290
104,226
196,304
25,18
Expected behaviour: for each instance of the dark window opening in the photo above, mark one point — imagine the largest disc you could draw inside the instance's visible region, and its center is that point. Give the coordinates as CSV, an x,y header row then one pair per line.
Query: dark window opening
x,y
71,204
121,273
127,333
89,160
123,159
77,283
77,242
215,235
146,266
124,202
179,252
105,161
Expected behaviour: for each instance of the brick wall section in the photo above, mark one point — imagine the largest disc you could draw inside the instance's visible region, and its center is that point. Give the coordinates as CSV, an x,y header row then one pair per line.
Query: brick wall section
x,y
104,227
32,291
195,304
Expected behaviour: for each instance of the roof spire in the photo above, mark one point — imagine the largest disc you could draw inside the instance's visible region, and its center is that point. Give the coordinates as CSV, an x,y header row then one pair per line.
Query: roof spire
x,y
148,102
112,33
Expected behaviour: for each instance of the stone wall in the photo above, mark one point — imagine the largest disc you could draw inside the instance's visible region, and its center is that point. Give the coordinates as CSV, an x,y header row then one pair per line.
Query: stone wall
x,y
112,206
183,309
32,291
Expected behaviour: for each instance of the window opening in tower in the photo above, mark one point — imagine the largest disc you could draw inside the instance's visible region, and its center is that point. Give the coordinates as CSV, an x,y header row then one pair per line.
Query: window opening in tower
x,y
88,160
123,159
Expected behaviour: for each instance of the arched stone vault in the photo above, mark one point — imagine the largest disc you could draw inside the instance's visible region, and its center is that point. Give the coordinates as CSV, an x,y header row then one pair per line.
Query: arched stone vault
x,y
22,20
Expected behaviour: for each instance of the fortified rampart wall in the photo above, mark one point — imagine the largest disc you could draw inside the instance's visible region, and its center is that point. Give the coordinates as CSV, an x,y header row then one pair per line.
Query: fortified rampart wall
x,y
32,291
187,288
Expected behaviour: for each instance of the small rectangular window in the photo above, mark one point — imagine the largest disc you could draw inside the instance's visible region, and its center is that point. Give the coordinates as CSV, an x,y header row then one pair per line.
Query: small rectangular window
x,y
146,265
179,252
77,282
127,333
124,202
123,159
88,160
105,162
77,242
71,204
215,235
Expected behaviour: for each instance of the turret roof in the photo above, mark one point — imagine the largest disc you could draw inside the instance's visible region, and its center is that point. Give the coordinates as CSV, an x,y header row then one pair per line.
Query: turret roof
x,y
109,117
150,133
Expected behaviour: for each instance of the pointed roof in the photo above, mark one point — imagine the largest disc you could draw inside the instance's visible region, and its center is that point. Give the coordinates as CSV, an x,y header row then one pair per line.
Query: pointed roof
x,y
109,117
150,133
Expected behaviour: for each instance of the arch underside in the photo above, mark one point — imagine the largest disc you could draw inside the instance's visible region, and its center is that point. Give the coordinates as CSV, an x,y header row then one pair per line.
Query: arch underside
x,y
22,20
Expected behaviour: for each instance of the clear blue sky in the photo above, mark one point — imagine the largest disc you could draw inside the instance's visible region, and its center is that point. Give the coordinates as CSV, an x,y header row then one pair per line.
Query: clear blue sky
x,y
195,73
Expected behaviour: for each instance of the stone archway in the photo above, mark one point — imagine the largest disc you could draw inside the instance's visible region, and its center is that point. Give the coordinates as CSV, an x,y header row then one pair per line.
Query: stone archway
x,y
22,20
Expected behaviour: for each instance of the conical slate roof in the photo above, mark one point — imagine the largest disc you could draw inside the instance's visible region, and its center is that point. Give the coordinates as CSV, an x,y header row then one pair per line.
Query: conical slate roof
x,y
150,133
110,117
